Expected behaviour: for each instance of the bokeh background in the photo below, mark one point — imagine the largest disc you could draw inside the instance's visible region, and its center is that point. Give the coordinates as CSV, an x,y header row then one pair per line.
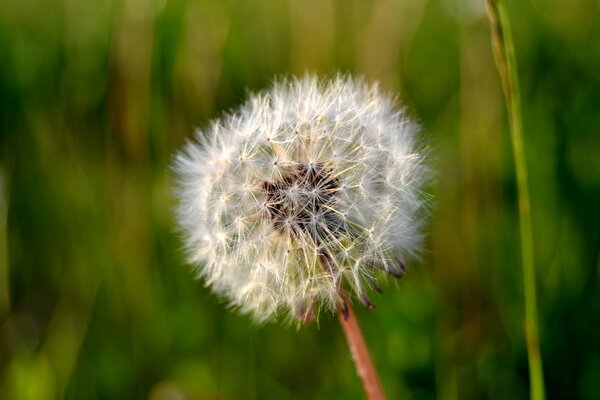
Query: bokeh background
x,y
96,301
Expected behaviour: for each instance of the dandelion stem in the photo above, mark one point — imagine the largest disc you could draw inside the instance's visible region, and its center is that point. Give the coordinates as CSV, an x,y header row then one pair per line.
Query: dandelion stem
x,y
358,348
504,55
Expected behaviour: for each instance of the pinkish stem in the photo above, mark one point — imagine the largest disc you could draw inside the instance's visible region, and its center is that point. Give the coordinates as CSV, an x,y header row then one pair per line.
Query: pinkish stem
x,y
360,353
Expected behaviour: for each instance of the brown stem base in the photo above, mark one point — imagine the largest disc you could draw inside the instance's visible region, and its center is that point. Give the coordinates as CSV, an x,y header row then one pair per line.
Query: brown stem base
x,y
360,354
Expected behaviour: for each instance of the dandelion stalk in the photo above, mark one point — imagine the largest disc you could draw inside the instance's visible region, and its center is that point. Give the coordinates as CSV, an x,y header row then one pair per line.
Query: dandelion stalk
x,y
504,55
360,353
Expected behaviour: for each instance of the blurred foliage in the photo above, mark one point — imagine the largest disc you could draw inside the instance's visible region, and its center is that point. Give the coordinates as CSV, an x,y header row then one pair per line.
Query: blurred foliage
x,y
96,301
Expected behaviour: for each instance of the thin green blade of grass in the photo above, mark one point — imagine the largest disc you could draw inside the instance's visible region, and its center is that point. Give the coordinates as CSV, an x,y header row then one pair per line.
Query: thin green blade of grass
x,y
4,271
504,55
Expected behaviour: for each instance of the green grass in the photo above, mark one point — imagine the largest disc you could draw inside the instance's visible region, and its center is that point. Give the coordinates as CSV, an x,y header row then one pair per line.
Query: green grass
x,y
96,301
504,54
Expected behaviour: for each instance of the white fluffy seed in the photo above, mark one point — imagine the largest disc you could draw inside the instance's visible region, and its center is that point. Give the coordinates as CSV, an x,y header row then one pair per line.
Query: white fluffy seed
x,y
307,186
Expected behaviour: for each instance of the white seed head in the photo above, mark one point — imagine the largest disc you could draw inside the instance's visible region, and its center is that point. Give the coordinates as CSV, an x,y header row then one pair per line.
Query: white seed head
x,y
306,188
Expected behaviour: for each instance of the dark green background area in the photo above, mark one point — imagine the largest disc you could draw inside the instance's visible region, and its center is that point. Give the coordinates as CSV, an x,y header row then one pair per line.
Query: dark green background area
x,y
96,300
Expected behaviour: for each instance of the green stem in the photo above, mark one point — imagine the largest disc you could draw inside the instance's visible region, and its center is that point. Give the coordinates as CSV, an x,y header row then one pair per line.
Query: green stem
x,y
4,270
504,55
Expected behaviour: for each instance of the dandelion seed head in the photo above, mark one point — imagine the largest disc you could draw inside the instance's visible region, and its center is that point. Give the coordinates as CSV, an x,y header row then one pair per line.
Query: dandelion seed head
x,y
306,187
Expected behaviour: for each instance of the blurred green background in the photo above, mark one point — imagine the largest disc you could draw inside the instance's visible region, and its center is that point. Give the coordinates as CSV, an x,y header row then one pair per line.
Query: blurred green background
x,y
96,301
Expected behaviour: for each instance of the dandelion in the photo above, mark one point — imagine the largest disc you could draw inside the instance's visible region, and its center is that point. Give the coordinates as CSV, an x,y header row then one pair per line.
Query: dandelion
x,y
308,190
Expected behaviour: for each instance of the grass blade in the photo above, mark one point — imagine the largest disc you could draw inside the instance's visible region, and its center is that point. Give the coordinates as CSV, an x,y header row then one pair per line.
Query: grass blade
x,y
504,55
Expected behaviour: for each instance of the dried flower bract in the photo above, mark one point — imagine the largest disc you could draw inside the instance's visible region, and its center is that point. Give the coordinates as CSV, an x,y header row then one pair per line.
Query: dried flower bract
x,y
307,187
